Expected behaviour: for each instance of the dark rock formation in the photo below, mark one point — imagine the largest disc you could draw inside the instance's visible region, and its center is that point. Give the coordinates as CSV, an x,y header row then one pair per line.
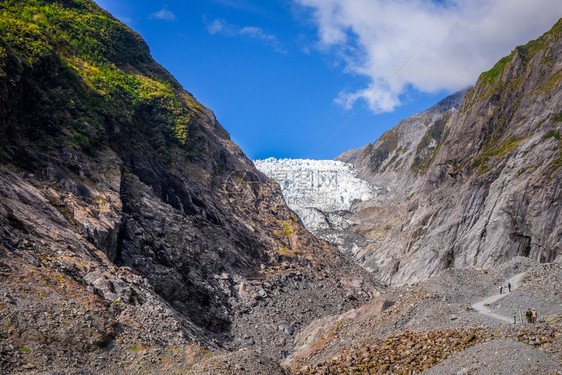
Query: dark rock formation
x,y
135,236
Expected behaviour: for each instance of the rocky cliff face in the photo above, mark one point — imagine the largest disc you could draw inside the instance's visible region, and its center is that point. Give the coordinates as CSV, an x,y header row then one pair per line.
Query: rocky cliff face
x,y
472,187
135,235
407,147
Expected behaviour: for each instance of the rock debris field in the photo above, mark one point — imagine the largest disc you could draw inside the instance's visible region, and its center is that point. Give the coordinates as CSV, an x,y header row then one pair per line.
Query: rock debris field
x,y
429,329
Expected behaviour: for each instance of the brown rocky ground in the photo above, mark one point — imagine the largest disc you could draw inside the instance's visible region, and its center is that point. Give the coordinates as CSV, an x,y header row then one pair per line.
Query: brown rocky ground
x,y
429,323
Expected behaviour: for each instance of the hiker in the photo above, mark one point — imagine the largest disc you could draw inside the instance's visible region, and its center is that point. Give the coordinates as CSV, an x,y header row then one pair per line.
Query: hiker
x,y
533,316
529,316
509,286
501,289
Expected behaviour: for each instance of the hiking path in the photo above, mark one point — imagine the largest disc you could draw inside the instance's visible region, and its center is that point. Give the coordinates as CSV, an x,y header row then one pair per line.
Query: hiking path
x,y
482,306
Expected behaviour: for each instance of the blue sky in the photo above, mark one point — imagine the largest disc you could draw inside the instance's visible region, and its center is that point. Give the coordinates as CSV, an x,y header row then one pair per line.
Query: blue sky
x,y
314,78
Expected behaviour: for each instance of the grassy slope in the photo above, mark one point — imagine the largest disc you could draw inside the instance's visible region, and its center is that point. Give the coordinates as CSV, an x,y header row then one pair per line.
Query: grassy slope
x,y
494,83
85,75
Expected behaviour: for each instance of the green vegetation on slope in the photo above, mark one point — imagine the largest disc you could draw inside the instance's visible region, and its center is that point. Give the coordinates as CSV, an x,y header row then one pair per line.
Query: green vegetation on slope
x,y
491,75
504,95
481,161
526,52
87,76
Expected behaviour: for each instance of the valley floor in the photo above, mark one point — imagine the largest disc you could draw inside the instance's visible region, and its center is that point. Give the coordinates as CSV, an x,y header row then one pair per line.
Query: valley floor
x,y
429,329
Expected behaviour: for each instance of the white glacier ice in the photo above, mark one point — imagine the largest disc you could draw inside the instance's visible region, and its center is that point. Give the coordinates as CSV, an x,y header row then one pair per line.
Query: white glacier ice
x,y
312,185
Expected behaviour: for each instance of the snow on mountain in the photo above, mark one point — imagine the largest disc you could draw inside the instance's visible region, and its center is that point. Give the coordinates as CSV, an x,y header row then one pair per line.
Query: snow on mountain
x,y
310,186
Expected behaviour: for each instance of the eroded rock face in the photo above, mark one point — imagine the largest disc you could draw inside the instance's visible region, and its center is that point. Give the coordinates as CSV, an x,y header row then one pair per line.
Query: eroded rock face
x,y
475,186
385,164
148,242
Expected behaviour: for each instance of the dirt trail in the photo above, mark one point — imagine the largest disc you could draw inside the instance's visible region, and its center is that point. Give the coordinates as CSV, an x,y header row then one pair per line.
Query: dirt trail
x,y
481,307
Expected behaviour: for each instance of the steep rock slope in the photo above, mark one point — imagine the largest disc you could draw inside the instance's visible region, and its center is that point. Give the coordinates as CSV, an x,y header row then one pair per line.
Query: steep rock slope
x,y
386,165
135,235
408,146
325,193
481,185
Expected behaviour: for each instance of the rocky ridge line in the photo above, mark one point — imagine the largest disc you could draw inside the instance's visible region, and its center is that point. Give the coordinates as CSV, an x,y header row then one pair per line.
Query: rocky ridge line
x,y
476,186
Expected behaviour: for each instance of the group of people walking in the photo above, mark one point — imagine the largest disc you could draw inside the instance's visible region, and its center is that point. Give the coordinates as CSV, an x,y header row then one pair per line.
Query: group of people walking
x,y
508,287
531,316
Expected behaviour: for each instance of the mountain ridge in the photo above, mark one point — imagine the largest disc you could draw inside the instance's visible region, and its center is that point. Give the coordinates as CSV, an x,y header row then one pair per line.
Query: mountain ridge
x,y
136,237
486,141
131,225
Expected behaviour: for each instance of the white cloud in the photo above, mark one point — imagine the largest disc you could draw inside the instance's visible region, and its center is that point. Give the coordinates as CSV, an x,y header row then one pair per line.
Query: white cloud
x,y
256,33
217,26
163,14
449,42
220,26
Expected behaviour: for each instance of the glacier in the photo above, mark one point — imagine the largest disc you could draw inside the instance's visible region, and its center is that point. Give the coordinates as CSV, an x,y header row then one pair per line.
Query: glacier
x,y
314,188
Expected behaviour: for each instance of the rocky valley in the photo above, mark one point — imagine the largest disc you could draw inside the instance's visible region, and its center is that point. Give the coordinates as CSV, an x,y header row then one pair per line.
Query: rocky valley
x,y
471,182
136,237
